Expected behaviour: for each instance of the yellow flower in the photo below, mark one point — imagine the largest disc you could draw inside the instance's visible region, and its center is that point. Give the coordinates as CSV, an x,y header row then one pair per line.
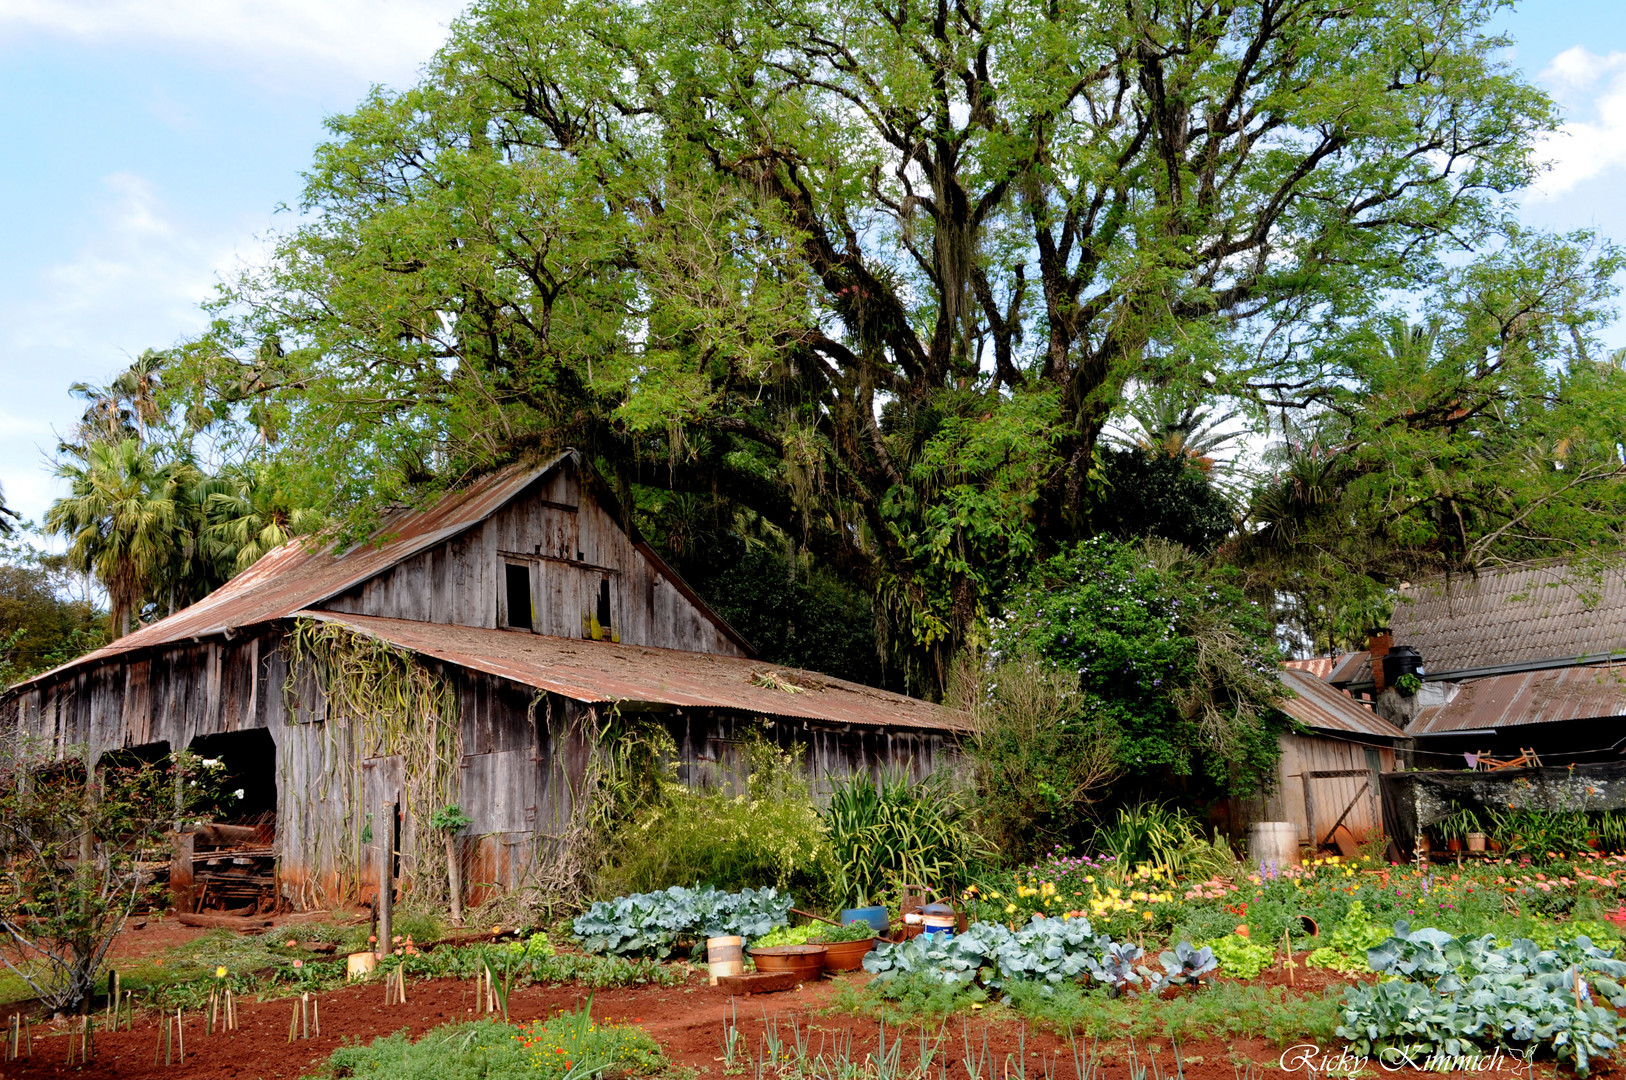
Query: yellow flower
x,y
1147,915
1009,908
220,972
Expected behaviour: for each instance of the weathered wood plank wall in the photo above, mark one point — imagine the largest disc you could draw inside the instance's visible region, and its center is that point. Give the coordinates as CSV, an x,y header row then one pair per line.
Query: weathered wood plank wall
x,y
525,755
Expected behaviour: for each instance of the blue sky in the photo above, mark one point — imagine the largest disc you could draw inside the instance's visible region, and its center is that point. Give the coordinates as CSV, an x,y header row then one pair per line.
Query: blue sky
x,y
150,143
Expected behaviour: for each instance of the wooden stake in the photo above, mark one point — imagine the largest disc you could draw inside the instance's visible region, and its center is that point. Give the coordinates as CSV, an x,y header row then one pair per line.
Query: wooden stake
x,y
316,1016
293,1023
180,1036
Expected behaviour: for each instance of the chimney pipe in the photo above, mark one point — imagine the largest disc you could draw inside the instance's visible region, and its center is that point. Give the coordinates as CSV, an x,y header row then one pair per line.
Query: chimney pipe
x,y
1377,645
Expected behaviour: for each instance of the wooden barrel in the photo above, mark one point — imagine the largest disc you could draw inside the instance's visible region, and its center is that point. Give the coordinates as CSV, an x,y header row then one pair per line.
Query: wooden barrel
x,y
725,956
1274,843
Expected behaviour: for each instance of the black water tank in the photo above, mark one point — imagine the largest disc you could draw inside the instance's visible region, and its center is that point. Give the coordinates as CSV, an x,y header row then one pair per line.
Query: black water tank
x,y
1401,660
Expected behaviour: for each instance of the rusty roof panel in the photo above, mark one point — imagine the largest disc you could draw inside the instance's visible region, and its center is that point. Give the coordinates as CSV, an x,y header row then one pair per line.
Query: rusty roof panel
x,y
1530,697
600,671
1326,708
307,571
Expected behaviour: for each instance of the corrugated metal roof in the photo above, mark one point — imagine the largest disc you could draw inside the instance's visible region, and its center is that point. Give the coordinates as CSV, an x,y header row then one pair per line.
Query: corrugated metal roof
x,y
1352,667
1319,666
1530,697
1326,708
597,671
1513,615
307,570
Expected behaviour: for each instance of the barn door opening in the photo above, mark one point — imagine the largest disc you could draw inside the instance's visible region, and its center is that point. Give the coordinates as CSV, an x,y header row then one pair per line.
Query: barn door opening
x,y
233,854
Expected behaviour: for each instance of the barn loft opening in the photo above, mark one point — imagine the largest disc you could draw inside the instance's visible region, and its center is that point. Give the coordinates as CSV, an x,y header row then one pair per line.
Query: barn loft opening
x,y
249,766
518,579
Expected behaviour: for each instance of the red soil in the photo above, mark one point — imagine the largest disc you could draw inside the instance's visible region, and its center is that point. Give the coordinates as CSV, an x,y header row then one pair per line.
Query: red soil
x,y
687,1021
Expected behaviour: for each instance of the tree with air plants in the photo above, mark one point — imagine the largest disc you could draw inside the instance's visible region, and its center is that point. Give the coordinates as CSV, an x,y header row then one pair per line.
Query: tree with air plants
x,y
881,278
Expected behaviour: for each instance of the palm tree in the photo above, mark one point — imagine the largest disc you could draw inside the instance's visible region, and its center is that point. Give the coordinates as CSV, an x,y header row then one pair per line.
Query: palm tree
x,y
248,514
123,520
8,516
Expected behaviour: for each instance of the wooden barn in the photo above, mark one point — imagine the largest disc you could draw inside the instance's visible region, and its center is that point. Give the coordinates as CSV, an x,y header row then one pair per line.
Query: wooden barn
x,y
487,651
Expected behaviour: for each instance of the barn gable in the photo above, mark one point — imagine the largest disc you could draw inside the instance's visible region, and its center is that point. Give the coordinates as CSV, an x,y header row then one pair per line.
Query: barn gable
x,y
552,561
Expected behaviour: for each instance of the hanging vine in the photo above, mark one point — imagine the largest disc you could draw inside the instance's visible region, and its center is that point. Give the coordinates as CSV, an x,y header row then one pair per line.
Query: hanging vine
x,y
381,702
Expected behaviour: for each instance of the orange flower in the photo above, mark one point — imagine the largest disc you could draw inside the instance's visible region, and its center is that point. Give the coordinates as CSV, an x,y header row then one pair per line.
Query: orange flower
x,y
1242,930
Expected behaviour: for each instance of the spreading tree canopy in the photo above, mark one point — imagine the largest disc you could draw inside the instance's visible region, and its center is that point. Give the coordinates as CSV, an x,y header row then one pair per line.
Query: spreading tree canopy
x,y
879,271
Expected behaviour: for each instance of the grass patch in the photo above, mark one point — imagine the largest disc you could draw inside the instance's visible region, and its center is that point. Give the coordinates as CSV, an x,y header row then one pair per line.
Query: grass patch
x,y
570,1046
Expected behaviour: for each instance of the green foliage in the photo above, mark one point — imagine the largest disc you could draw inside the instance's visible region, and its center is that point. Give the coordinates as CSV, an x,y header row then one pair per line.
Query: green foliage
x,y
685,259
892,831
72,841
1240,958
656,922
1039,758
1479,437
1538,833
1345,950
1452,996
570,1046
1171,657
450,818
46,616
1224,1011
816,933
1149,492
770,834
1167,838
1408,684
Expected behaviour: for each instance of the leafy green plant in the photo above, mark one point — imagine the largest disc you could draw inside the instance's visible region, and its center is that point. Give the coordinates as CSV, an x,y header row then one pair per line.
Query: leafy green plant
x,y
894,831
1462,821
1450,995
656,922
1167,838
770,834
1408,684
1240,958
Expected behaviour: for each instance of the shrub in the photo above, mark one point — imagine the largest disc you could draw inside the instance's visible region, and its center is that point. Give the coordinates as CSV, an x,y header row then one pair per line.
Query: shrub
x,y
769,835
1174,662
1039,758
1167,838
892,831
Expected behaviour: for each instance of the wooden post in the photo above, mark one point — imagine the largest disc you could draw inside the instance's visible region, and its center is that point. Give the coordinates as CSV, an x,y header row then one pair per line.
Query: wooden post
x,y
386,875
180,870
1309,811
454,880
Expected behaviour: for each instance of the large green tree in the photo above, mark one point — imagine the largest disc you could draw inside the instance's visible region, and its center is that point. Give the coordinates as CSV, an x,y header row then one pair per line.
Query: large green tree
x,y
878,270
1494,432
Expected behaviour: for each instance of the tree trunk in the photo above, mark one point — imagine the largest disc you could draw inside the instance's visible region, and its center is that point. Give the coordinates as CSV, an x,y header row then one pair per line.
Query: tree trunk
x,y
454,880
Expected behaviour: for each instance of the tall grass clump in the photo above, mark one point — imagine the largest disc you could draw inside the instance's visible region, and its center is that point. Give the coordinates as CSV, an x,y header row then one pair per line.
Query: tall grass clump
x,y
895,831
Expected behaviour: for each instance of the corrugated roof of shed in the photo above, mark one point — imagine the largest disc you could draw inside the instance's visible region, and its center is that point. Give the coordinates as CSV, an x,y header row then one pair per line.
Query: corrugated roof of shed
x,y
1594,692
1326,708
600,671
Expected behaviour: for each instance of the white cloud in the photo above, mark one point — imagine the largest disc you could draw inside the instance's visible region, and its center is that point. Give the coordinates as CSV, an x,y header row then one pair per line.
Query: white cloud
x,y
1592,140
285,41
133,280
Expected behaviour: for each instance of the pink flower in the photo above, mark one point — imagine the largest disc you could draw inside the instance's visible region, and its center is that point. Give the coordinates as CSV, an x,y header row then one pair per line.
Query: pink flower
x,y
299,964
